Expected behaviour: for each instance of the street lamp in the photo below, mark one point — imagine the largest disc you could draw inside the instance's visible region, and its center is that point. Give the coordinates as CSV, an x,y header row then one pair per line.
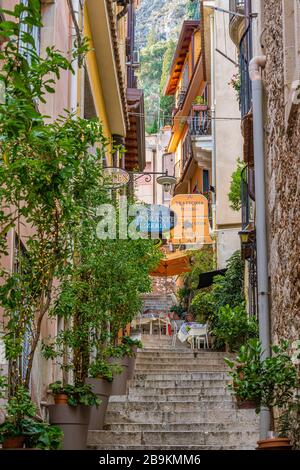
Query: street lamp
x,y
244,236
166,181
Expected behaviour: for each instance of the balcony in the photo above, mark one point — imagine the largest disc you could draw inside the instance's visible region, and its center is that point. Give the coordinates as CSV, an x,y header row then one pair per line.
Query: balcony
x,y
201,138
237,23
247,195
180,97
200,123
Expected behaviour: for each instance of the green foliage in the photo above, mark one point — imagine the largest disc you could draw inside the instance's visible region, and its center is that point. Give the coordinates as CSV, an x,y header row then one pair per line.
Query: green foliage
x,y
179,310
20,421
100,369
228,289
202,305
77,394
270,382
233,326
132,342
234,195
119,351
288,422
192,9
155,60
202,261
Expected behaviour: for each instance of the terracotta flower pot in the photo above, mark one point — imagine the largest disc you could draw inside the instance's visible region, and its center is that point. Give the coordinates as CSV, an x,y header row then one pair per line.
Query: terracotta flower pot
x,y
61,399
246,404
131,363
276,443
16,442
74,422
120,380
102,388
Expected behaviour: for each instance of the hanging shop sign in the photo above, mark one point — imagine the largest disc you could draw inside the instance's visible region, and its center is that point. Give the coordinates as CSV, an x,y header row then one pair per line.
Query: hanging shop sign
x,y
155,219
192,213
115,178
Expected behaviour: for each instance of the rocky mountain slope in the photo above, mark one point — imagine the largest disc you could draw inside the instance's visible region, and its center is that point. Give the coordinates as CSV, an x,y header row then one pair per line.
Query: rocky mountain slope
x,y
163,16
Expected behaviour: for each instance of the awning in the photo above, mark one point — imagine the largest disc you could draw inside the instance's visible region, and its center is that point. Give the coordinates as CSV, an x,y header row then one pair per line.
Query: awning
x,y
173,264
206,279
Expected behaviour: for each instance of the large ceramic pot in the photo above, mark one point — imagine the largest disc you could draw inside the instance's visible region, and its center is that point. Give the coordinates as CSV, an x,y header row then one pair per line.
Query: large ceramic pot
x,y
131,363
74,422
120,380
102,388
276,443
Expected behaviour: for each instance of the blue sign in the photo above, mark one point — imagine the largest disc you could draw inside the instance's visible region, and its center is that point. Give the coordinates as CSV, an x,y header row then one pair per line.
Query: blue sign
x,y
155,219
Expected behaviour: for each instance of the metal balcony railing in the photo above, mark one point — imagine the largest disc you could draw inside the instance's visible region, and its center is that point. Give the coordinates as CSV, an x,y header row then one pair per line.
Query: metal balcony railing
x,y
247,194
180,97
200,123
187,151
236,6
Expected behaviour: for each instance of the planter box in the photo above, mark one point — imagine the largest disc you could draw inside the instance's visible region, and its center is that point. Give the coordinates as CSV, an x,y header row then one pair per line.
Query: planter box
x,y
102,388
74,422
200,107
120,380
276,443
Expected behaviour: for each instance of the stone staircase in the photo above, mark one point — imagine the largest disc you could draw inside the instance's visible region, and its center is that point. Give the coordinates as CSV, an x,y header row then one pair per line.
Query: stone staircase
x,y
176,400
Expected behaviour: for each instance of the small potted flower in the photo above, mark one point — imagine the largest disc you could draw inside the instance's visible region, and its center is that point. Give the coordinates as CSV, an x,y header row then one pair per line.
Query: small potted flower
x,y
200,104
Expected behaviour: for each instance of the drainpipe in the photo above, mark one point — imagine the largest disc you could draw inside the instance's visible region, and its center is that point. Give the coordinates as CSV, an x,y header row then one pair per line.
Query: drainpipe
x,y
74,6
213,134
255,68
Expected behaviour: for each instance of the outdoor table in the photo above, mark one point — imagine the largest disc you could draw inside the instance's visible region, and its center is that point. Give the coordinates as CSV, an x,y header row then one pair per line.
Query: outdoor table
x,y
189,330
150,319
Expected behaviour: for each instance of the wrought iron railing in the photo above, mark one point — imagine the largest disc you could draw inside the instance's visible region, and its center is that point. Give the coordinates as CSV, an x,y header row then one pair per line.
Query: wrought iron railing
x,y
245,57
247,194
180,97
236,6
200,123
187,151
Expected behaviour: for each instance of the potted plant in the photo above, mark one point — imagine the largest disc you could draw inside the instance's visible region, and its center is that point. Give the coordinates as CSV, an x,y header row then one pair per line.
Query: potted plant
x,y
268,383
21,427
119,355
200,104
134,345
101,376
73,417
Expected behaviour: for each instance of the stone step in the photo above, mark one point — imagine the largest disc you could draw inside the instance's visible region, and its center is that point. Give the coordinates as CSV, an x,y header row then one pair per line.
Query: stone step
x,y
175,447
181,376
195,397
180,427
150,416
172,406
160,392
182,355
176,384
159,368
183,363
233,438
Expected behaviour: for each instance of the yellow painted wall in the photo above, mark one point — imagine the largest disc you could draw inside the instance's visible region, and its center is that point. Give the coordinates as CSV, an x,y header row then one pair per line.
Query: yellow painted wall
x,y
95,82
197,45
197,178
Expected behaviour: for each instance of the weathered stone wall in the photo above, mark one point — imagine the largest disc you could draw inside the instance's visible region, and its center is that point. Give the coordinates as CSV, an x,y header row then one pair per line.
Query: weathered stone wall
x,y
283,185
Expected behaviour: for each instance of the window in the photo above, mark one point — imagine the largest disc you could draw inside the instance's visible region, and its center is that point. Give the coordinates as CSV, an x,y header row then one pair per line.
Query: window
x,y
35,31
291,38
206,185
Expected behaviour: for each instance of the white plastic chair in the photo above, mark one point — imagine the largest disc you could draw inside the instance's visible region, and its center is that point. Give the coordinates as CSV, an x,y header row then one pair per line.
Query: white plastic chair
x,y
201,337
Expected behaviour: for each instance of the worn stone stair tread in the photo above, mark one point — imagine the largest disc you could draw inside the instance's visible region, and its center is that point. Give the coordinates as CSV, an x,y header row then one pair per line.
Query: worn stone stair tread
x,y
179,426
170,447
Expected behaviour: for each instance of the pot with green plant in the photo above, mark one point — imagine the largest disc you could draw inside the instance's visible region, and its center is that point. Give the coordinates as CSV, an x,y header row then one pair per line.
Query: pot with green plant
x,y
270,383
200,104
101,376
22,428
73,418
134,345
119,356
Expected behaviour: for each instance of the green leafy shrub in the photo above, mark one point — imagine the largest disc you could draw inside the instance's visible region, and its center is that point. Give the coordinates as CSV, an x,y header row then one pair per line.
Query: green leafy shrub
x,y
77,394
20,421
202,305
131,342
102,369
235,195
270,382
233,326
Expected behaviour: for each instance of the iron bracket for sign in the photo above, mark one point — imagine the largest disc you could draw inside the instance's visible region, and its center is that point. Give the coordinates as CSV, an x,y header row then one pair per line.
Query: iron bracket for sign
x,y
136,175
233,13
